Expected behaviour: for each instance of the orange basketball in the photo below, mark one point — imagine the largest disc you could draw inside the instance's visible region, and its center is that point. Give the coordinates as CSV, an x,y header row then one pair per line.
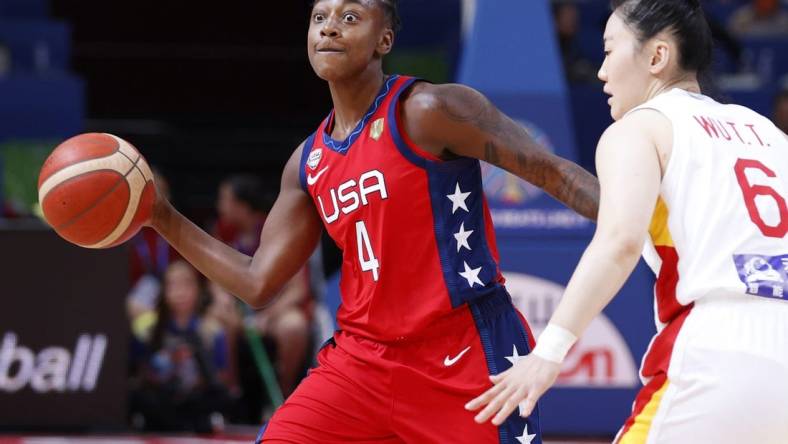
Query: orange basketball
x,y
96,190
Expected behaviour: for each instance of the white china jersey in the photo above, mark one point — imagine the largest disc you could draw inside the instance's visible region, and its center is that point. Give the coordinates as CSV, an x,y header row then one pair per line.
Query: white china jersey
x,y
721,221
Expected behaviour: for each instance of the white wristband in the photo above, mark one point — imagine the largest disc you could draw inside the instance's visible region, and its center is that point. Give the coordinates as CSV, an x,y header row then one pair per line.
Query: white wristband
x,y
554,343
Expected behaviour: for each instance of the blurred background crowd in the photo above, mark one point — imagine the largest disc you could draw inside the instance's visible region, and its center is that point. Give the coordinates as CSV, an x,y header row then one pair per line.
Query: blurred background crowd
x,y
217,101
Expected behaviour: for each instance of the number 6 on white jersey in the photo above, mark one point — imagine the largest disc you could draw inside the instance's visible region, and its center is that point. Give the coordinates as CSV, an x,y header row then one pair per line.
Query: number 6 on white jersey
x,y
365,247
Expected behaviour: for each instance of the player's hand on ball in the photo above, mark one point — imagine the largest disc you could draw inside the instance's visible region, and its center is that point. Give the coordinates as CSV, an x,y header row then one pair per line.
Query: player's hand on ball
x,y
524,383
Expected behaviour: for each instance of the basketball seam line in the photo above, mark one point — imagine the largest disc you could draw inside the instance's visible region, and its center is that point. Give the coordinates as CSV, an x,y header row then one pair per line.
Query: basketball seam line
x,y
117,150
134,164
103,196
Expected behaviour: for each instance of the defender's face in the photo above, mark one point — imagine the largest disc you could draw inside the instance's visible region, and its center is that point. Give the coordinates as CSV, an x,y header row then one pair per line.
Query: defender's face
x,y
625,70
344,37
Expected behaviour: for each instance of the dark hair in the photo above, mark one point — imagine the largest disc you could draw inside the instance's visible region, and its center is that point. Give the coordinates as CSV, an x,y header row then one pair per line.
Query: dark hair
x,y
684,18
249,190
390,10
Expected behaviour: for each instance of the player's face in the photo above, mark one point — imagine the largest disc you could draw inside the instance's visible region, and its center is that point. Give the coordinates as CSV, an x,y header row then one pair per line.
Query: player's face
x,y
625,70
345,36
181,289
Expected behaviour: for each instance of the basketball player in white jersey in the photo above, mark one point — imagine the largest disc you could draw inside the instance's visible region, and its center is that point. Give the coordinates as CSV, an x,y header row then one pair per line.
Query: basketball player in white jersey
x,y
717,370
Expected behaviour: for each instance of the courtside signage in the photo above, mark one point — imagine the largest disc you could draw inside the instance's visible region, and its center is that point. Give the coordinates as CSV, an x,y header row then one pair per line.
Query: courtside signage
x,y
52,369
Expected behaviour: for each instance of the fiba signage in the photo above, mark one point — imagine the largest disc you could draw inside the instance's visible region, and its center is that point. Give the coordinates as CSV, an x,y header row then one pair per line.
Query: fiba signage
x,y
53,369
600,358
63,333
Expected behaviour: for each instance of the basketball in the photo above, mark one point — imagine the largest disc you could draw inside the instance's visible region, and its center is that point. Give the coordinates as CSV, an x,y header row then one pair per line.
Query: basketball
x,y
96,190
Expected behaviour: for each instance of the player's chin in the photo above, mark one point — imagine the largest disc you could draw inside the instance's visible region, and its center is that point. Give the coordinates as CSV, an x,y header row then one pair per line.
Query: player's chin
x,y
615,111
330,72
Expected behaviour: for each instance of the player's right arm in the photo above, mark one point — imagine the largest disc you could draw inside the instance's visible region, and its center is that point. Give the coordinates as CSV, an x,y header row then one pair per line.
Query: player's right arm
x,y
289,237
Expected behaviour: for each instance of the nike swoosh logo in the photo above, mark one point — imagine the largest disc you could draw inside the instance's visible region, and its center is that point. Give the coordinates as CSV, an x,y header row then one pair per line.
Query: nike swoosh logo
x,y
448,362
310,180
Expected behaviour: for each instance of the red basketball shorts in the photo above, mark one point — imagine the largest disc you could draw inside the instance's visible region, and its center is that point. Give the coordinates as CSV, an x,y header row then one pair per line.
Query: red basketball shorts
x,y
410,391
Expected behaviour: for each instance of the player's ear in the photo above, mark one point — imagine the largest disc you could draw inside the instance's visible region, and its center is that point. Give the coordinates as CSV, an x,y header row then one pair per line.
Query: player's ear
x,y
661,53
386,41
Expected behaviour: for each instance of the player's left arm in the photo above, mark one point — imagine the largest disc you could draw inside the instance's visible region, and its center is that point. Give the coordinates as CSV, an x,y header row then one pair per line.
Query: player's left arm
x,y
455,120
630,175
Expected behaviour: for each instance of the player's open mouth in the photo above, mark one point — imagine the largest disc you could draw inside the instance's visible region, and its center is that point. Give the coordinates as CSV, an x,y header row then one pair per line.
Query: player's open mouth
x,y
330,51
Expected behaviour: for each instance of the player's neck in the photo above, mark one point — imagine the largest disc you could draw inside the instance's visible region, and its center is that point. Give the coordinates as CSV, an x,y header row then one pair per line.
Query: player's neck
x,y
352,98
688,82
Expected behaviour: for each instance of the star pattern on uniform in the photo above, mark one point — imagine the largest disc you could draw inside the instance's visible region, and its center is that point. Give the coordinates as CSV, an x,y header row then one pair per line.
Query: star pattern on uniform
x,y
462,237
458,199
471,275
515,357
526,437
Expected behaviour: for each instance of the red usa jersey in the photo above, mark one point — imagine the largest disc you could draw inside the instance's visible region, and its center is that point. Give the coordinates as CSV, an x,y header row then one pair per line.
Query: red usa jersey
x,y
415,231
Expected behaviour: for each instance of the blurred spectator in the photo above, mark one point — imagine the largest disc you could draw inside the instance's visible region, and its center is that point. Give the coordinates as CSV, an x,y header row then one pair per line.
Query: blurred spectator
x,y
578,68
183,368
150,256
243,206
760,18
781,110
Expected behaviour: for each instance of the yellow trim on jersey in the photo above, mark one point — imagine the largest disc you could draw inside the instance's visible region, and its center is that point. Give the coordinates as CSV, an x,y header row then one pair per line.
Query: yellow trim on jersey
x,y
638,432
660,234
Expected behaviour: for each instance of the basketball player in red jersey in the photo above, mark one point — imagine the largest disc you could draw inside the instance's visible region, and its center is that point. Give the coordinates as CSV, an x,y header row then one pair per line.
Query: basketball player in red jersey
x,y
393,174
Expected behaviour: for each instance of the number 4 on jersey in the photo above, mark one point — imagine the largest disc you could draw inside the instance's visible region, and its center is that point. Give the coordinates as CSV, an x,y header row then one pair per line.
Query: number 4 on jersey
x,y
365,249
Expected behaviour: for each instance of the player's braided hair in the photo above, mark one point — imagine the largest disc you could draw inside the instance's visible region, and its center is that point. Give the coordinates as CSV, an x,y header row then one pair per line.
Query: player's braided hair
x,y
391,9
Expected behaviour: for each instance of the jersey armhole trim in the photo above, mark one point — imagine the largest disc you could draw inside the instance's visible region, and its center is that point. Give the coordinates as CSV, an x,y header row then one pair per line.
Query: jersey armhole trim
x,y
308,144
415,154
669,165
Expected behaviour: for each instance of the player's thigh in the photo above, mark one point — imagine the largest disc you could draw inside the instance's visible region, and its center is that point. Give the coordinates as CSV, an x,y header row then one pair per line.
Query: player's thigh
x,y
340,401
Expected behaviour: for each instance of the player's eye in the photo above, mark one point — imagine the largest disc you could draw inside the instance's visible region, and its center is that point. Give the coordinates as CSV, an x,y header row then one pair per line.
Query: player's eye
x,y
318,17
607,52
350,18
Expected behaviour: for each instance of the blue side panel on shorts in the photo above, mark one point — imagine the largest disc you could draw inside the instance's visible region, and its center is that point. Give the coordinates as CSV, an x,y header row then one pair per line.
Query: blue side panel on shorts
x,y
302,164
504,339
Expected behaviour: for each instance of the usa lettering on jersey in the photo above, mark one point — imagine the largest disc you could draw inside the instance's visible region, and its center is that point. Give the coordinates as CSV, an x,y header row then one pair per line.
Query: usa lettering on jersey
x,y
352,195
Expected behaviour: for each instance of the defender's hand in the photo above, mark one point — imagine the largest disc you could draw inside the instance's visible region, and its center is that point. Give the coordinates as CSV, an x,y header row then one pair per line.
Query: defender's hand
x,y
524,383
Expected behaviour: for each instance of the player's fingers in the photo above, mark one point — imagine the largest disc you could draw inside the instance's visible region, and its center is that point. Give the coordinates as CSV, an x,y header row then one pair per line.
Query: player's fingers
x,y
499,377
528,405
484,398
508,407
494,405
